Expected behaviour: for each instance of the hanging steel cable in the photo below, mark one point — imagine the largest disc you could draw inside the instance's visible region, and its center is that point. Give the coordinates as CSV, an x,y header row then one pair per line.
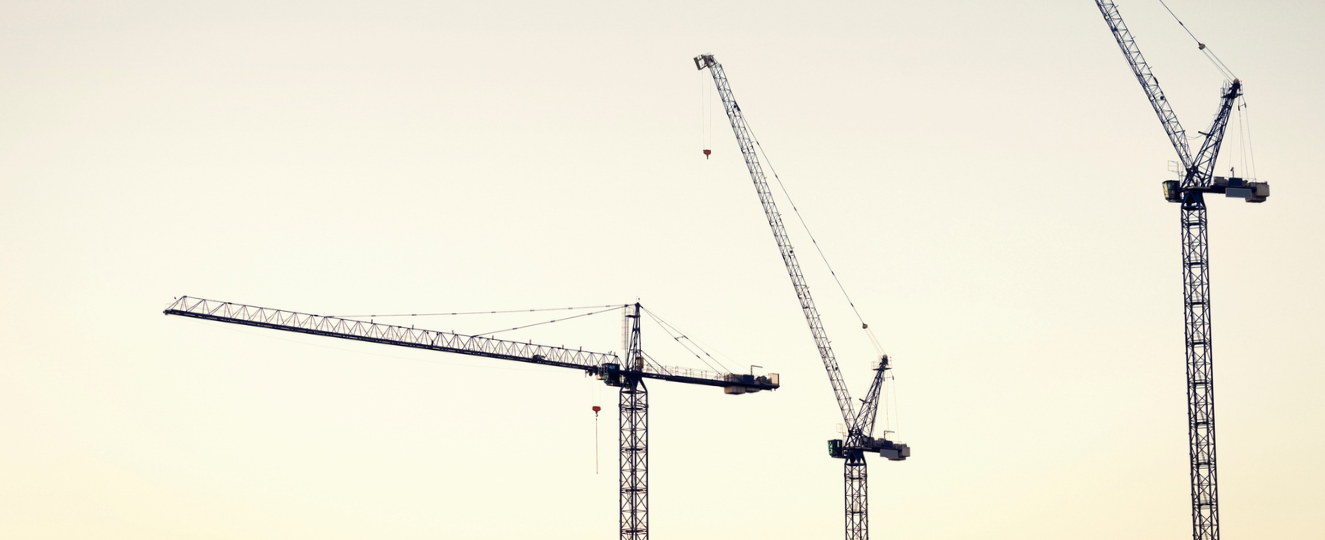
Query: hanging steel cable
x,y
869,333
1219,64
677,335
613,306
610,308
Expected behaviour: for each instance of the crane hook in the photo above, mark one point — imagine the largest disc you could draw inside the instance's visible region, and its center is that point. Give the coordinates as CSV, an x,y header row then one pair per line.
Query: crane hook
x,y
595,438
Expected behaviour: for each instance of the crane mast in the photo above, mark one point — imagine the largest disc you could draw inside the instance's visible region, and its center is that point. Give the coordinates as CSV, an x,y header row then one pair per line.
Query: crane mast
x,y
633,421
628,376
1197,180
860,425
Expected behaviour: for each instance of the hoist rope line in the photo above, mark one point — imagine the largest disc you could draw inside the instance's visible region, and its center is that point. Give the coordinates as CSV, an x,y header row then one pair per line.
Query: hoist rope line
x,y
705,112
822,256
1210,54
1251,148
613,306
897,414
703,133
702,346
1242,141
668,328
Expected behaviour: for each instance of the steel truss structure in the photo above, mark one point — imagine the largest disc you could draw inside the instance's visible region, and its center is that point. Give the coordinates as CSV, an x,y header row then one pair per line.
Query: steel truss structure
x,y
629,376
634,420
860,425
1197,181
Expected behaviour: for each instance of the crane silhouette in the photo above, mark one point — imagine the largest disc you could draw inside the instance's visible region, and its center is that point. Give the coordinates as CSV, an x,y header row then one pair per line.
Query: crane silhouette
x,y
1189,193
629,375
860,424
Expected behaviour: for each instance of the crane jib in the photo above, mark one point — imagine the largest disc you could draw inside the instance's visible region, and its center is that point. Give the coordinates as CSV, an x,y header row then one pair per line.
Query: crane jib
x,y
1197,180
746,141
593,363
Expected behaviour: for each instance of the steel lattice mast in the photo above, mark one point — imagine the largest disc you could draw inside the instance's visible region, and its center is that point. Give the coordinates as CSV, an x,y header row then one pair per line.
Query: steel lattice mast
x,y
629,377
1190,193
633,407
860,426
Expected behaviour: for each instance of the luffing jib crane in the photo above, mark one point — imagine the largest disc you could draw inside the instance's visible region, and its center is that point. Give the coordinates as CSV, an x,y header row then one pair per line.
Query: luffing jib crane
x,y
860,424
628,376
1189,192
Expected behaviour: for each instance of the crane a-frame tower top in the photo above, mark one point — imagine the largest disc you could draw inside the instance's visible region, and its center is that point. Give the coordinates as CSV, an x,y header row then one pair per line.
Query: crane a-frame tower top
x,y
860,424
1189,193
628,375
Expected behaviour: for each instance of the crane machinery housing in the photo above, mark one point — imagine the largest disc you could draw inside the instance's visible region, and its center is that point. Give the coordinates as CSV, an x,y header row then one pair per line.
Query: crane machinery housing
x,y
1189,193
629,375
860,424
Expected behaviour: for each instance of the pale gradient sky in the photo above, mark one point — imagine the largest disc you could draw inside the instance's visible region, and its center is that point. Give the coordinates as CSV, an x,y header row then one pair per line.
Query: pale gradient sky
x,y
983,175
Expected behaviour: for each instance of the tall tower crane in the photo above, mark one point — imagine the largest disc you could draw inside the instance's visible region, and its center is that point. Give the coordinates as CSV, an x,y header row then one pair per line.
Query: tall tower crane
x,y
1189,192
629,376
860,424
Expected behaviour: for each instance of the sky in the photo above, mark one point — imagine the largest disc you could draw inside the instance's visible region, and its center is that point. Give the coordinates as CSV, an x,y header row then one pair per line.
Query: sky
x,y
983,177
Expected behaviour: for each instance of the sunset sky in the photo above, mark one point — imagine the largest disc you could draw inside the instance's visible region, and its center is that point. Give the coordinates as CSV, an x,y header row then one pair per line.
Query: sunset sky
x,y
983,176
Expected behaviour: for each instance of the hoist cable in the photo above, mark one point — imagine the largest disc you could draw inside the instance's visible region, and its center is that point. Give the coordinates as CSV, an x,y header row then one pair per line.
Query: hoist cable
x,y
611,308
1242,141
1251,148
703,133
1210,54
878,348
703,347
679,335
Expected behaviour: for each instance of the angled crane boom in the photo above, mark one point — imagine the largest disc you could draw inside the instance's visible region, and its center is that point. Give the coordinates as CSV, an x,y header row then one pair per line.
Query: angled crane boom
x,y
860,425
745,138
1197,181
1149,83
628,376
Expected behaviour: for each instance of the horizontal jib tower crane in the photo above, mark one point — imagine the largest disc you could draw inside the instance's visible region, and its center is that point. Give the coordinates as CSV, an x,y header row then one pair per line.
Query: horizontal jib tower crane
x,y
628,375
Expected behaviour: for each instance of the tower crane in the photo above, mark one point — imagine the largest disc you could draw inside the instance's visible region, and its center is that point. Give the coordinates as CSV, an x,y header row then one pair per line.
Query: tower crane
x,y
1189,193
629,375
860,424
